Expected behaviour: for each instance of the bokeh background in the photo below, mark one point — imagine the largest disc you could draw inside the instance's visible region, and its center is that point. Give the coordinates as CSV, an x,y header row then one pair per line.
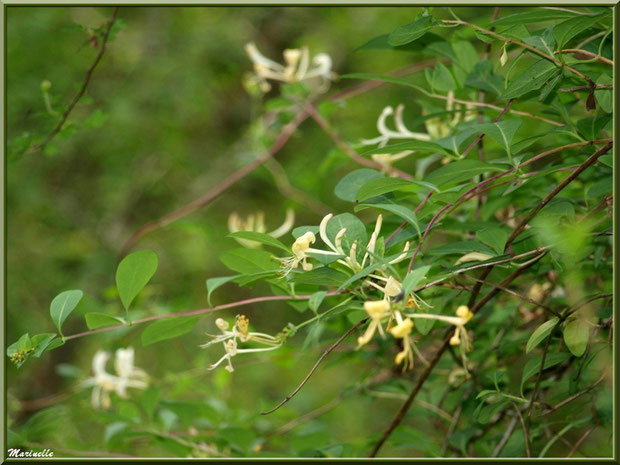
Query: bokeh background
x,y
165,118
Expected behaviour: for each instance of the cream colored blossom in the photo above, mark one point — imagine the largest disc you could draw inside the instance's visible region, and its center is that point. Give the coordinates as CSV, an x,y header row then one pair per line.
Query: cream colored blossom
x,y
256,223
298,67
240,333
103,383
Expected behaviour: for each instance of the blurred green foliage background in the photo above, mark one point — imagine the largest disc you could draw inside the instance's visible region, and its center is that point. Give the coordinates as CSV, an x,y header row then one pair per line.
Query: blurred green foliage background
x,y
165,118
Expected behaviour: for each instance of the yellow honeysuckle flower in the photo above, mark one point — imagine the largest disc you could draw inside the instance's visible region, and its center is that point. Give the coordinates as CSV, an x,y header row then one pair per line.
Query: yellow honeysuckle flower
x,y
402,329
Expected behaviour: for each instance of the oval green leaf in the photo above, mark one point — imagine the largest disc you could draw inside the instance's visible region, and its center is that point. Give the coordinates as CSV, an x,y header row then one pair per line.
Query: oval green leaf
x,y
63,304
133,273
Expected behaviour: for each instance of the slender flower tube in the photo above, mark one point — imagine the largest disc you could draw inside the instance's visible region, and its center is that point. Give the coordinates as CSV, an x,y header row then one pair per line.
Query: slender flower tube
x,y
240,333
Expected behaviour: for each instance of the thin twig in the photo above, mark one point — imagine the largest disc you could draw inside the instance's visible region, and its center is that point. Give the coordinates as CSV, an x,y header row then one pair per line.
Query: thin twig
x,y
516,294
589,161
580,440
352,154
588,88
573,397
80,94
521,44
404,223
220,188
428,228
539,377
201,311
602,59
316,365
506,436
526,434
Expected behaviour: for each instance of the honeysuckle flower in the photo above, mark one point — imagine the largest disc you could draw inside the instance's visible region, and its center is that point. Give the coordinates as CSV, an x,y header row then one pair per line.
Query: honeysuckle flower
x,y
302,250
298,68
240,332
401,132
256,223
103,383
402,330
377,310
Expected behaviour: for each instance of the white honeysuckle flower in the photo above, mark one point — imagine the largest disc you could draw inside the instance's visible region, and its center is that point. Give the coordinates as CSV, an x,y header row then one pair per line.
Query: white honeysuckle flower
x,y
240,331
256,223
103,383
401,130
298,68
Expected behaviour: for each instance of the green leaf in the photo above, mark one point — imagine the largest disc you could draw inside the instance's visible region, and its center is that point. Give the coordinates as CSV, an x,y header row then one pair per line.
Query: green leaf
x,y
440,78
315,300
321,276
536,16
133,273
98,320
348,186
356,231
400,210
62,305
545,42
410,32
41,342
494,237
413,278
23,346
485,413
167,329
540,333
532,366
550,87
482,78
260,237
457,171
214,283
149,400
591,127
576,336
532,79
502,132
381,186
570,28
247,260
604,97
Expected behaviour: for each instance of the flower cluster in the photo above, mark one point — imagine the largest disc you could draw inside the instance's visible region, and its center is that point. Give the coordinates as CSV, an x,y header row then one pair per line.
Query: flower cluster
x,y
239,333
103,383
256,223
436,128
400,323
297,68
302,250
